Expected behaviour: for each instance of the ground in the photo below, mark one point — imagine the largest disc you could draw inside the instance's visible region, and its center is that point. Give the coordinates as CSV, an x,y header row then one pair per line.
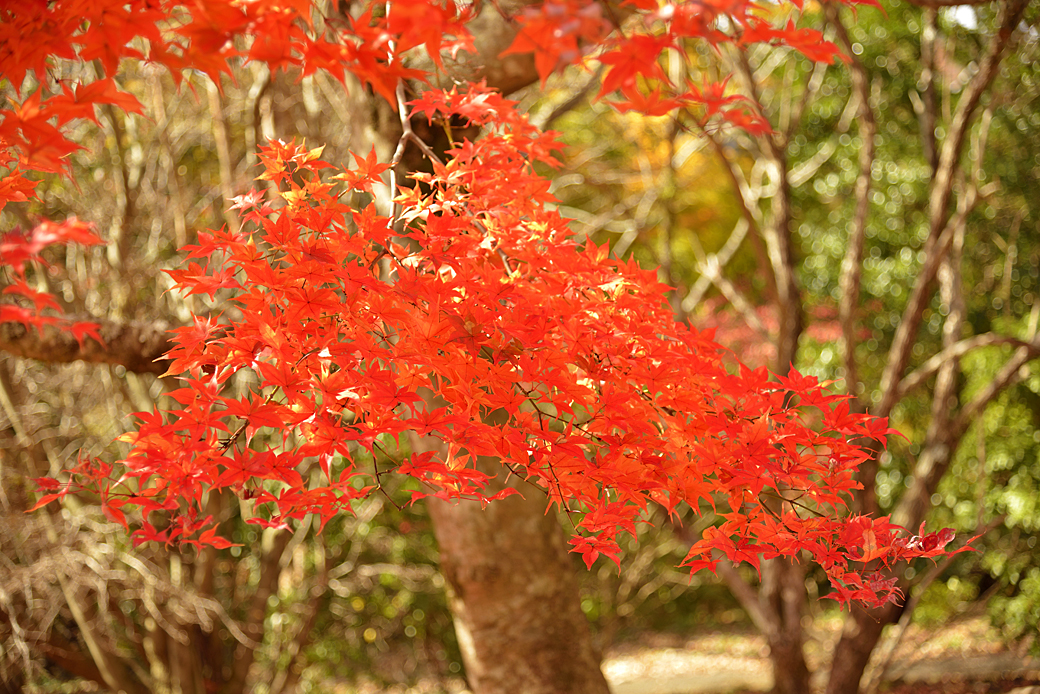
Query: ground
x,y
959,658
963,657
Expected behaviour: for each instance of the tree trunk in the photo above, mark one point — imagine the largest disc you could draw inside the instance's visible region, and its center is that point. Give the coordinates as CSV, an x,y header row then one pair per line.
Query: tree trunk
x,y
790,672
512,588
514,596
783,580
783,591
859,637
863,628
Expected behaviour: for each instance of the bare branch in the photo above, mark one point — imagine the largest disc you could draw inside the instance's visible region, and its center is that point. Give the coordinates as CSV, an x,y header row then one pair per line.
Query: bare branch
x,y
777,233
902,343
747,597
803,172
947,3
951,294
220,138
959,349
719,260
270,569
168,158
407,135
576,99
747,201
925,106
713,271
1013,371
989,67
287,676
942,229
118,250
139,347
852,263
590,224
811,87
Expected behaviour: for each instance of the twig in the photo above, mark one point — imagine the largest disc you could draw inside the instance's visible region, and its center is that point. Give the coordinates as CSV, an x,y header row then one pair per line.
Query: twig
x,y
407,135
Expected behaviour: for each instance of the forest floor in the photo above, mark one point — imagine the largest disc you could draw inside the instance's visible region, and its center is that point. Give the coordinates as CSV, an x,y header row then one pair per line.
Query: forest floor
x,y
964,657
960,658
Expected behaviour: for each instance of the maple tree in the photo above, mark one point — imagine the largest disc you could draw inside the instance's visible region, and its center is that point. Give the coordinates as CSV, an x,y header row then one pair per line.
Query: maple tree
x,y
467,313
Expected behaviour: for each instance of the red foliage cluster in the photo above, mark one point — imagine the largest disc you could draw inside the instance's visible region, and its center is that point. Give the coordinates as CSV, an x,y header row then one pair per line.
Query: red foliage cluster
x,y
18,250
469,316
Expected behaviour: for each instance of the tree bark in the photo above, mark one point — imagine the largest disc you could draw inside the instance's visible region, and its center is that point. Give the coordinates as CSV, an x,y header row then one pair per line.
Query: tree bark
x,y
859,637
513,591
783,587
139,347
514,595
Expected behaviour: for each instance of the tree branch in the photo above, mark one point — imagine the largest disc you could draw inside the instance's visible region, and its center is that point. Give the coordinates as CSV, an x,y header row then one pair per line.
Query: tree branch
x,y
941,232
927,369
274,544
949,156
718,260
1012,372
947,3
766,622
137,346
851,266
777,232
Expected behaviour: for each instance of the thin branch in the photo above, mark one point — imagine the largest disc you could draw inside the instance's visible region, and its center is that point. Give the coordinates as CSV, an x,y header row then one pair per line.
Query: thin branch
x,y
951,295
747,201
942,228
256,609
111,667
747,597
197,600
577,99
801,173
590,225
718,260
1012,372
220,139
849,282
777,234
925,106
989,68
947,3
713,271
811,87
407,134
118,251
169,159
139,347
288,676
959,349
902,343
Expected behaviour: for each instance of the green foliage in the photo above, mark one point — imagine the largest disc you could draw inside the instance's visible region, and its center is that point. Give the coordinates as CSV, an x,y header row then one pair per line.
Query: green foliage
x,y
943,599
384,619
648,594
